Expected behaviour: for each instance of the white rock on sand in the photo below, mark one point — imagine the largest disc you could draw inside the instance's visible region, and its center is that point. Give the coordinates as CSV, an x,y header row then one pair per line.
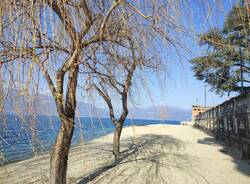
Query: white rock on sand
x,y
151,154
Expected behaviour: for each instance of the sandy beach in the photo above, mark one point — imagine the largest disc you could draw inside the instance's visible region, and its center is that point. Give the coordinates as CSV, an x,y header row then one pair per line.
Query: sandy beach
x,y
174,154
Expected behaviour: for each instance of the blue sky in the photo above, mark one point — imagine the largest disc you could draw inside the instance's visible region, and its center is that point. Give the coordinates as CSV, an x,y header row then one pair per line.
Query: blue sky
x,y
181,89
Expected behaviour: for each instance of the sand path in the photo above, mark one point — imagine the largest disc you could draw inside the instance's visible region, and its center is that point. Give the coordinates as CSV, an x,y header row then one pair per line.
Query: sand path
x,y
151,154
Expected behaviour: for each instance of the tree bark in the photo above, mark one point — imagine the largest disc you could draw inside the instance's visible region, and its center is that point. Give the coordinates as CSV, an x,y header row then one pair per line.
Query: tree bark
x,y
59,153
116,139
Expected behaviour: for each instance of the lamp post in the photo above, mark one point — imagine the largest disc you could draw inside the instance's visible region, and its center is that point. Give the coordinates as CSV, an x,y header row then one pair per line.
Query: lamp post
x,y
205,95
241,71
238,28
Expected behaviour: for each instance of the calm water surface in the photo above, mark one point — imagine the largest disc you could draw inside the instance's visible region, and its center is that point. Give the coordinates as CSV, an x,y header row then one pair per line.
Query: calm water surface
x,y
24,137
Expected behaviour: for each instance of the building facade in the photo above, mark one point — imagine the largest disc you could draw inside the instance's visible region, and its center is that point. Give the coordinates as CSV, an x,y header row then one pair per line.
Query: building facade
x,y
197,109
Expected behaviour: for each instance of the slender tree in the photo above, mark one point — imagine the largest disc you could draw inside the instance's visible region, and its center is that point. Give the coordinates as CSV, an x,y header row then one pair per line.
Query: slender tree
x,y
114,77
113,66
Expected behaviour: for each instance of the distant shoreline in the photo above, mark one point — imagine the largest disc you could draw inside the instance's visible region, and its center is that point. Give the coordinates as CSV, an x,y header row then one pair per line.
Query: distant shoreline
x,y
129,118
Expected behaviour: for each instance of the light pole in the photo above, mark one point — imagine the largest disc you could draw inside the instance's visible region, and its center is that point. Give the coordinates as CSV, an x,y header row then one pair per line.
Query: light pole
x,y
241,71
238,28
205,95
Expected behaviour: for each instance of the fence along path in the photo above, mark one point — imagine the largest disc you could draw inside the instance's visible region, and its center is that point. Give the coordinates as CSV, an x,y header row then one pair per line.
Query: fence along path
x,y
230,122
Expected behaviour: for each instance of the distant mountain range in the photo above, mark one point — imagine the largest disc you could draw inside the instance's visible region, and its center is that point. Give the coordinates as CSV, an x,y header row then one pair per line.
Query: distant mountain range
x,y
45,105
161,112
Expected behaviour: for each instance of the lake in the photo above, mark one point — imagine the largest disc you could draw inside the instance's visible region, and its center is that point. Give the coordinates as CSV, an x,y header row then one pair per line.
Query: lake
x,y
22,137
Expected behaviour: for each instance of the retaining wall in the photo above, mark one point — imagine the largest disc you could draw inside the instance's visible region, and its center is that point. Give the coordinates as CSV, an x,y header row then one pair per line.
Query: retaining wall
x,y
230,122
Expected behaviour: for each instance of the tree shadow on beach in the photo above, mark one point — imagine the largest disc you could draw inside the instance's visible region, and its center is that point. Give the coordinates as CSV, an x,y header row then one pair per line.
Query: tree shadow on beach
x,y
153,152
209,141
242,165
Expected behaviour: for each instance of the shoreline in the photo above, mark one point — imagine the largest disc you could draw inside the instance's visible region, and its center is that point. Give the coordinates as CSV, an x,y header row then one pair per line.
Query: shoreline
x,y
157,153
40,152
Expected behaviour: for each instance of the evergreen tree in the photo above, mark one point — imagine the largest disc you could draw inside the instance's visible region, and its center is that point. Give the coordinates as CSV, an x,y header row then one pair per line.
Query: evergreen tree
x,y
226,66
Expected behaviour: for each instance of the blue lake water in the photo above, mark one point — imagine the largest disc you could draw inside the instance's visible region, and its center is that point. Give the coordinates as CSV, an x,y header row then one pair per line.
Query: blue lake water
x,y
24,137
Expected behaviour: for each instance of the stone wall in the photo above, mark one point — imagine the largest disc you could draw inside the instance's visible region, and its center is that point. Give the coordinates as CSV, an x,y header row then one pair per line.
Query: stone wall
x,y
230,122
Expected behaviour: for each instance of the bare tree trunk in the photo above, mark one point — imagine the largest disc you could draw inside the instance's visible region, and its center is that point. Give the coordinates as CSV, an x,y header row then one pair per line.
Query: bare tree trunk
x,y
59,153
116,139
1,91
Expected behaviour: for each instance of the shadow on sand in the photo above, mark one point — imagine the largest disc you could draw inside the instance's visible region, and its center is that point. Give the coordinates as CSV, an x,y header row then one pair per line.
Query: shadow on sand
x,y
242,165
209,141
153,150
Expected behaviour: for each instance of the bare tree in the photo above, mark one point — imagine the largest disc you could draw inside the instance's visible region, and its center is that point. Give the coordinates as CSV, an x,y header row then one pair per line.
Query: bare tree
x,y
51,35
114,75
112,66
